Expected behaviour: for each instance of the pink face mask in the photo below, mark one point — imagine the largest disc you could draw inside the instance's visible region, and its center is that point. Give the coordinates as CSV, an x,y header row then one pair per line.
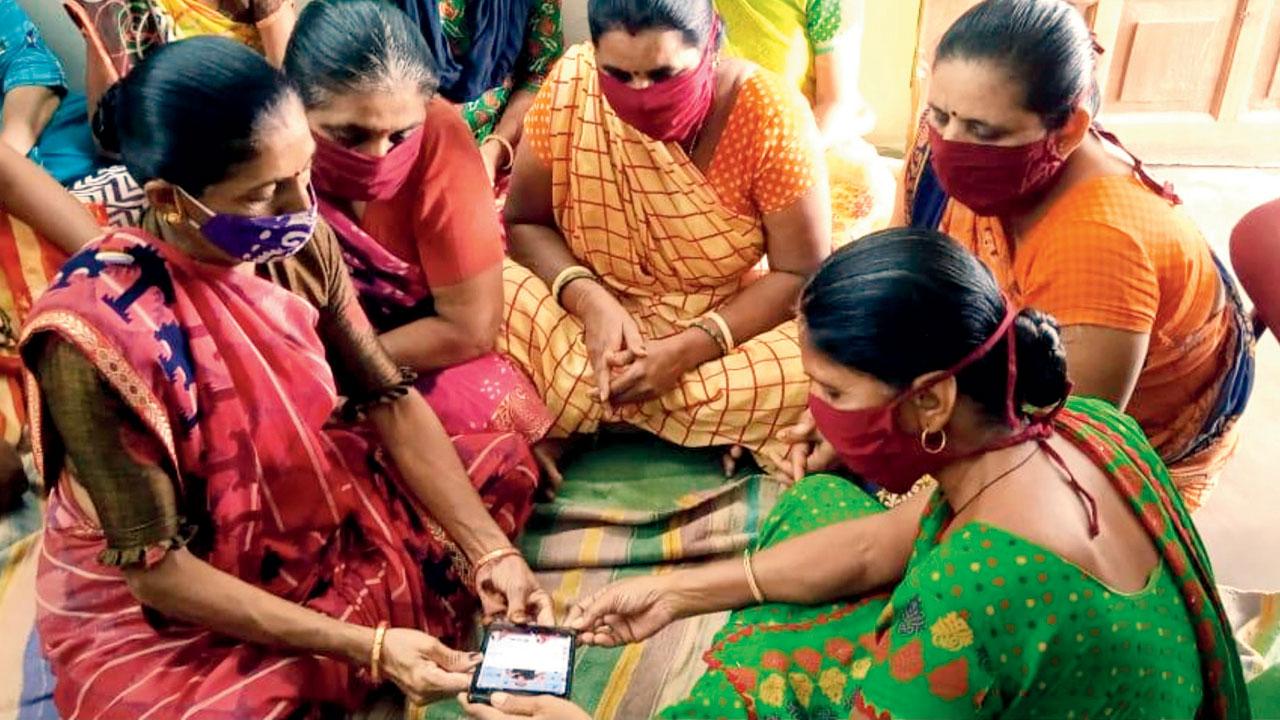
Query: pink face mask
x,y
671,110
342,172
871,445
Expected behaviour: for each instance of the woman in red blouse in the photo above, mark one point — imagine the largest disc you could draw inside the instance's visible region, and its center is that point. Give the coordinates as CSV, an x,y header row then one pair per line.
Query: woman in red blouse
x,y
400,180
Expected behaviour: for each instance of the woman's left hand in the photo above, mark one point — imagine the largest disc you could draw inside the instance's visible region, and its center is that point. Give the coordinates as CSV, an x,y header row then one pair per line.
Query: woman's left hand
x,y
508,589
494,155
639,379
512,707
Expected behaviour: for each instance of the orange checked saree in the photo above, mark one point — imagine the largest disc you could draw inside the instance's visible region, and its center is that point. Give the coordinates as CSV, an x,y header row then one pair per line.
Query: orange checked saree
x,y
672,243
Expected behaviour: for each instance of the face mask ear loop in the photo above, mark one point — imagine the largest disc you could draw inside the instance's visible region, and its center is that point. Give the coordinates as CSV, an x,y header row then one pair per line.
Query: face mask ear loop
x,y
1011,376
1086,499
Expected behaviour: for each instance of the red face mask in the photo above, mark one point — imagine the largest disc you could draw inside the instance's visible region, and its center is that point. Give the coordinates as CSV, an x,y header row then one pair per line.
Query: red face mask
x,y
342,172
870,444
991,180
672,110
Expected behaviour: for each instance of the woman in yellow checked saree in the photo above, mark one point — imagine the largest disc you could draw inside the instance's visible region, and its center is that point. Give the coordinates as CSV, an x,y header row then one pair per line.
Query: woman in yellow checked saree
x,y
654,183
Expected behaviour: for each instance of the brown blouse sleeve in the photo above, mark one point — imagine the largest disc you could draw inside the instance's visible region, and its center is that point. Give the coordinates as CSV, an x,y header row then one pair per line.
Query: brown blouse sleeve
x,y
365,373
113,456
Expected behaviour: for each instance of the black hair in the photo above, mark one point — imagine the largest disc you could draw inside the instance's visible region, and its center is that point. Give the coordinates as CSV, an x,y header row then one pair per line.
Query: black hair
x,y
904,302
341,46
692,18
189,113
1044,45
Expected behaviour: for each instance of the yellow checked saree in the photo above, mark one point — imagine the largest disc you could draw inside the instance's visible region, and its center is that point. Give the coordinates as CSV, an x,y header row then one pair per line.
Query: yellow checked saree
x,y
672,243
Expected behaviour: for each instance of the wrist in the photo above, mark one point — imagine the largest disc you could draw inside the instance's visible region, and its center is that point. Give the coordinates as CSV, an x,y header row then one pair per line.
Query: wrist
x,y
484,546
357,644
688,595
502,150
696,348
581,296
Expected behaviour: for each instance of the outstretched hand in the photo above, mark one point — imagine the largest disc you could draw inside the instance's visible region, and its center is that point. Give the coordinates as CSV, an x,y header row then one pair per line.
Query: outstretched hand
x,y
624,612
809,452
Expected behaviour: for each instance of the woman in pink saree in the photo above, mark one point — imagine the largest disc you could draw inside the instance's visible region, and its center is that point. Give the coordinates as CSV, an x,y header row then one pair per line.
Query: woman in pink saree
x,y
404,187
214,547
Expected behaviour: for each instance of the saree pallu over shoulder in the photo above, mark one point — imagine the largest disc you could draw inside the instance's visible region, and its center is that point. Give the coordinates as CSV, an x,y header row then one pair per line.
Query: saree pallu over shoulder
x,y
638,211
1117,443
481,395
227,371
667,243
985,623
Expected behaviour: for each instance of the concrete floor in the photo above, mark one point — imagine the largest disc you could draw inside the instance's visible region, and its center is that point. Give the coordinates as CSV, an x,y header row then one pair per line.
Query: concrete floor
x,y
1241,522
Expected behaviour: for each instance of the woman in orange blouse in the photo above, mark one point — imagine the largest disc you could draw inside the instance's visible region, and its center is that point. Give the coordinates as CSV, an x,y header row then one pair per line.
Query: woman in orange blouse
x,y
1018,172
653,183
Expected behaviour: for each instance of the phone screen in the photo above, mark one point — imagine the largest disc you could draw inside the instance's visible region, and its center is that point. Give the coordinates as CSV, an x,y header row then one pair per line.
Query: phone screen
x,y
525,660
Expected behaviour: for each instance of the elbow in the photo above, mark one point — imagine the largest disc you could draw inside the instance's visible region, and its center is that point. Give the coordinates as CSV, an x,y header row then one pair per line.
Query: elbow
x,y
480,338
149,585
469,343
794,281
162,585
480,343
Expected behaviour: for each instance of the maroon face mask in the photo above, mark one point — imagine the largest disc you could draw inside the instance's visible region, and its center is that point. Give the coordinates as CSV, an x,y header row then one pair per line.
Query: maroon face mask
x,y
671,110
342,172
870,443
992,180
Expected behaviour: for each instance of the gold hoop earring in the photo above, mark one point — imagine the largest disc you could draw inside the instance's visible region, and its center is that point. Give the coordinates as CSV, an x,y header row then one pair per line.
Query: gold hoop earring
x,y
935,448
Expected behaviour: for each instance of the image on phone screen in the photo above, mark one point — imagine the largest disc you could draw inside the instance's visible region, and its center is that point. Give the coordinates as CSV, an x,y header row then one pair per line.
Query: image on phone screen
x,y
524,660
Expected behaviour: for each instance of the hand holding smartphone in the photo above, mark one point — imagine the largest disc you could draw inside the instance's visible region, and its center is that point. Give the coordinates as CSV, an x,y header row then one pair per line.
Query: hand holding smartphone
x,y
524,660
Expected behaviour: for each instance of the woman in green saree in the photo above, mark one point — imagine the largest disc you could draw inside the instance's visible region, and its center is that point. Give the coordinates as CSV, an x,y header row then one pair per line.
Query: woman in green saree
x,y
1053,573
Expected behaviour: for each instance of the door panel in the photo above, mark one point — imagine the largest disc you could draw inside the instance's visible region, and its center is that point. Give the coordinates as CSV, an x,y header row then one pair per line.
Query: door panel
x,y
1266,82
1150,81
1194,81
1171,55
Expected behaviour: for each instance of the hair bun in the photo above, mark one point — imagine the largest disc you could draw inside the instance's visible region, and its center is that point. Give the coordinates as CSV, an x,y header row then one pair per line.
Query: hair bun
x,y
1042,360
105,125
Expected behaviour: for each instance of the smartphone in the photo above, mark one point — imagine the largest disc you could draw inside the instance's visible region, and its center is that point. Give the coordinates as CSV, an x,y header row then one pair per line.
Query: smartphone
x,y
524,660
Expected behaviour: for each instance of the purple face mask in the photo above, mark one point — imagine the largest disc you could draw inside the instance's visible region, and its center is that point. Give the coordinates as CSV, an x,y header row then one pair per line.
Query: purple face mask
x,y
258,239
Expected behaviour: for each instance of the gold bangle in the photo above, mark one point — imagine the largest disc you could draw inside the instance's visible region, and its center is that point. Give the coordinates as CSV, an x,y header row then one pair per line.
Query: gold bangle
x,y
505,143
725,332
488,558
375,657
568,275
751,577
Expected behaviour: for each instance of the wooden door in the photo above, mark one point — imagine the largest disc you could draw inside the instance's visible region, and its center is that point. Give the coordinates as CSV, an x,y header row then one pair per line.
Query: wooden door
x,y
1193,81
1183,81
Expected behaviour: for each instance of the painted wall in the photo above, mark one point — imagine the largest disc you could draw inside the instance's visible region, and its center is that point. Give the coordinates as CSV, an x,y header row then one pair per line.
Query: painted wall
x,y
888,49
888,45
888,60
